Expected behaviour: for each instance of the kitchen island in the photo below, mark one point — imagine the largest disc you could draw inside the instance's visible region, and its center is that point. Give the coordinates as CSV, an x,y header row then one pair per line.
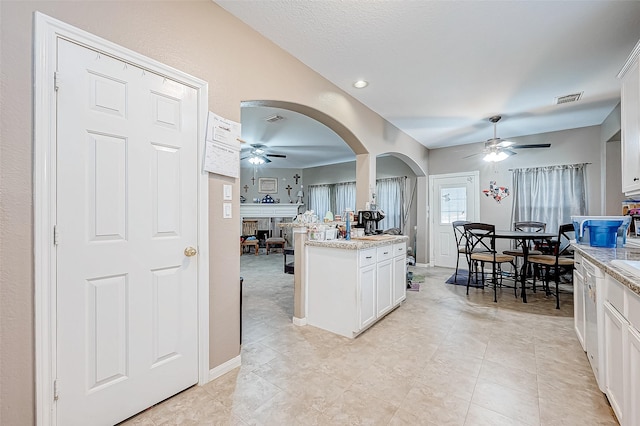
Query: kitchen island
x,y
352,284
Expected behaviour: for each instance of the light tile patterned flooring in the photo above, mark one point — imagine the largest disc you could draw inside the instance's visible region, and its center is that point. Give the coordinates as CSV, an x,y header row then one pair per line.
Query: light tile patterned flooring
x,y
441,358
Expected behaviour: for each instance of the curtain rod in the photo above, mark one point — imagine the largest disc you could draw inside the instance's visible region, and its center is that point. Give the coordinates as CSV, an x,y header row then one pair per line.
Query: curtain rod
x,y
510,170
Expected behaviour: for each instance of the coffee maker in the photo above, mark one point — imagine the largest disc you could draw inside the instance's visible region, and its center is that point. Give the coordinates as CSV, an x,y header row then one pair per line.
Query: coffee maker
x,y
368,219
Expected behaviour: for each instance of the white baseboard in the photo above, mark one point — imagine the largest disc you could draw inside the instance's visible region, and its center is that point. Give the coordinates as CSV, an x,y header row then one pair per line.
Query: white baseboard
x,y
224,368
424,265
299,321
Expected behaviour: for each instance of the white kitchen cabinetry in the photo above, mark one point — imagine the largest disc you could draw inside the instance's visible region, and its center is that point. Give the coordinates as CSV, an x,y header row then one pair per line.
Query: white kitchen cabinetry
x,y
367,297
630,123
632,385
349,290
578,299
399,273
622,351
615,327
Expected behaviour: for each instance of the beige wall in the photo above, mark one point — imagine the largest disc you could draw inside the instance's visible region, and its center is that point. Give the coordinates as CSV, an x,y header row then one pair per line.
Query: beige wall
x,y
201,39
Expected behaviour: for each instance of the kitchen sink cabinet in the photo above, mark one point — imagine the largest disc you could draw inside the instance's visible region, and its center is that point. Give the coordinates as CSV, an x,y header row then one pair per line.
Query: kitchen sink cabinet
x,y
632,384
630,124
578,300
348,290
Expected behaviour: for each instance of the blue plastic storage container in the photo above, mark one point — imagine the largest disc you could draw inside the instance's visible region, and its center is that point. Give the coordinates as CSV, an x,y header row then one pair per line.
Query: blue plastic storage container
x,y
603,233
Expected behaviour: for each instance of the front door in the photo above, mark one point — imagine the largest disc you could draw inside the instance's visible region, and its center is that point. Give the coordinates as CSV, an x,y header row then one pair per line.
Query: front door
x,y
127,179
451,197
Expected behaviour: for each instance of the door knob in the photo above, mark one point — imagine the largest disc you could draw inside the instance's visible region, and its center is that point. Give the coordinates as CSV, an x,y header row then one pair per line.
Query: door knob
x,y
190,251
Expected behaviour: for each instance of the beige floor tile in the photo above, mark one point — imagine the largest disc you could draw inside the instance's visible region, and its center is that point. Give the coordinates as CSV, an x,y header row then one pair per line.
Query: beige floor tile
x,y
441,358
521,406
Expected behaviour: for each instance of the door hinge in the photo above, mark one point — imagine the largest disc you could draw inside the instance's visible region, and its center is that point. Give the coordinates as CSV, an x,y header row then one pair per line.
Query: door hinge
x,y
56,235
56,390
56,81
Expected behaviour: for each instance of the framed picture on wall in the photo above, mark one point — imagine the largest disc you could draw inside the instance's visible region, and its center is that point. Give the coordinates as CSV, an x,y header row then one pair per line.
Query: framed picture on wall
x,y
267,185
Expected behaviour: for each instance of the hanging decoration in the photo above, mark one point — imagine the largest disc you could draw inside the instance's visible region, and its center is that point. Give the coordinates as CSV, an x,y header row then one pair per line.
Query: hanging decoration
x,y
497,192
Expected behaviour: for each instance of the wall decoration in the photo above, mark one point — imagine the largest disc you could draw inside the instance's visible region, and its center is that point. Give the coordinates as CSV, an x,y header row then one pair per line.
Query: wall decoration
x,y
267,185
497,192
296,177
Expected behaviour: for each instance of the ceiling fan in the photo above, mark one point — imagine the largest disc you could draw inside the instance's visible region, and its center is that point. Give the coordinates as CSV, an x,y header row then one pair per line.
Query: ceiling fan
x,y
257,154
496,149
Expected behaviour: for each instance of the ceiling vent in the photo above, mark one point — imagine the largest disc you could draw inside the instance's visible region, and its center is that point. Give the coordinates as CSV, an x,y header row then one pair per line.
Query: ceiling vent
x,y
274,118
568,98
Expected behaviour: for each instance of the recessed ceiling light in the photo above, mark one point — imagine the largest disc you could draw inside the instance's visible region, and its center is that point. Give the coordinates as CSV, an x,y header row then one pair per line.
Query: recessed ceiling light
x,y
360,84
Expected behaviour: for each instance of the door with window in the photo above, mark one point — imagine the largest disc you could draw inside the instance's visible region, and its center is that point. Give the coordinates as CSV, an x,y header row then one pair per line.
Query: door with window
x,y
451,197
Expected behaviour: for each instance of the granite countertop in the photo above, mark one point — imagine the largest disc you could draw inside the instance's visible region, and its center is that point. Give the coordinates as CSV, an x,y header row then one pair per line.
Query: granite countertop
x,y
602,258
355,244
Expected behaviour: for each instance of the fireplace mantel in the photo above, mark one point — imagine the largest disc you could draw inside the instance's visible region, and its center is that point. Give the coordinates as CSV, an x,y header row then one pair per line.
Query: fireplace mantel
x,y
259,210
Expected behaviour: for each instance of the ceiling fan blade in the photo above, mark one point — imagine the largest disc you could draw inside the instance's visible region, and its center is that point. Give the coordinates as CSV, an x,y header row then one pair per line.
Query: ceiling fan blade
x,y
276,155
266,160
535,145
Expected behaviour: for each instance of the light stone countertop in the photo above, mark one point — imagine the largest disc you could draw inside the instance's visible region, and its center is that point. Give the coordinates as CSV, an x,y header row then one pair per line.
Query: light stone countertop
x,y
602,258
356,244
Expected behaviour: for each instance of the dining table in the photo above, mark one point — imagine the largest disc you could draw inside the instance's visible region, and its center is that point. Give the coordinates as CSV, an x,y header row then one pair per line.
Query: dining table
x,y
524,237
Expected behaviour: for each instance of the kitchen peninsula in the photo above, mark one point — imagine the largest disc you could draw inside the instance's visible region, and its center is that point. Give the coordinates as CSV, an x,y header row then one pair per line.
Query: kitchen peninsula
x,y
352,284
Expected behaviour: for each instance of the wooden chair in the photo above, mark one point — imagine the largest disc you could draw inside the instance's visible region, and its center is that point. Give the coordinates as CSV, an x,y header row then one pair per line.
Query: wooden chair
x,y
561,259
461,243
481,247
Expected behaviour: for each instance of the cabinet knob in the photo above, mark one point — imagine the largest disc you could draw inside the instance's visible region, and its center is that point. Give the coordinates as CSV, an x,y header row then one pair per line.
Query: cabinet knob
x,y
635,179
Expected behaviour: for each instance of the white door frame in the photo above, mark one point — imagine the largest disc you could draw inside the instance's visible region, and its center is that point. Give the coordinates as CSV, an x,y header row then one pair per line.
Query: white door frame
x,y
46,32
476,188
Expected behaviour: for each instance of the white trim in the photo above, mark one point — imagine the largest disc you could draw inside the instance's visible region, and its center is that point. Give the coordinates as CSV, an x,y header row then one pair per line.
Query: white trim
x,y
424,265
224,368
299,321
476,187
46,31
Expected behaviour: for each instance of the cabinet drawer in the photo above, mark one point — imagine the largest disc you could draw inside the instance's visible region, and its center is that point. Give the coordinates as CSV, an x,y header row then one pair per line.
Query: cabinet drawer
x,y
633,309
399,249
385,252
614,293
367,257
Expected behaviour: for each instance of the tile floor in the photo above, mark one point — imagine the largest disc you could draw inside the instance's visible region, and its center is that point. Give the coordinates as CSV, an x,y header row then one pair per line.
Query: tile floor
x,y
441,358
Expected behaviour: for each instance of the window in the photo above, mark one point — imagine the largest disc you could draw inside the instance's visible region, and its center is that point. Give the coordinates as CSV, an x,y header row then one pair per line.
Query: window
x,y
453,204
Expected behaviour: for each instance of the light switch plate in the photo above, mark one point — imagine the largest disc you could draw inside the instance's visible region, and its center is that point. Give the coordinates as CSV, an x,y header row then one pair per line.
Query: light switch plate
x,y
226,210
226,192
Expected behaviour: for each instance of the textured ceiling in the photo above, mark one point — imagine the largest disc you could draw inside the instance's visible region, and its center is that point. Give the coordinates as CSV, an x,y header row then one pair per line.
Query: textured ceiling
x,y
439,69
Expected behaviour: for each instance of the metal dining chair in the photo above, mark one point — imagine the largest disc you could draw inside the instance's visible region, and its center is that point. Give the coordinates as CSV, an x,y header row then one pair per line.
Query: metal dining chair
x,y
461,243
481,248
517,252
561,259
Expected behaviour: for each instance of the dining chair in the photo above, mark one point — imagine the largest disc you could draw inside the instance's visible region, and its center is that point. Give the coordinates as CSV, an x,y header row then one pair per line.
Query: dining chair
x,y
461,243
561,259
481,248
517,252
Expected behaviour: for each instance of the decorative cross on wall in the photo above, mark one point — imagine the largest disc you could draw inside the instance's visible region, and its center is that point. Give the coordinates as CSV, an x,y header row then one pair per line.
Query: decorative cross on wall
x,y
245,188
253,180
289,188
296,177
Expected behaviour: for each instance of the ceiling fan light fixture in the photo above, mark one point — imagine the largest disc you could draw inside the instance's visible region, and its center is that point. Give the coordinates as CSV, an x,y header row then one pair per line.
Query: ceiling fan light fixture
x,y
360,84
256,160
495,156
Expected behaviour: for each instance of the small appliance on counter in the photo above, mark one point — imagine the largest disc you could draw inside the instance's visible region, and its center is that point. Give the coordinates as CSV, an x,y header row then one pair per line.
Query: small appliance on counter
x,y
601,231
368,219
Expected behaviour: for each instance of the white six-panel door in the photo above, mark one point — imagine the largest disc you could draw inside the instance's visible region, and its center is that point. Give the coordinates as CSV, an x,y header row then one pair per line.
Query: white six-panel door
x,y
126,211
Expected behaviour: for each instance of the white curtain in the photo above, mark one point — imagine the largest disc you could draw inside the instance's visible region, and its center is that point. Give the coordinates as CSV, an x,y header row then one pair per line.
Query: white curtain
x,y
344,197
319,199
390,199
549,194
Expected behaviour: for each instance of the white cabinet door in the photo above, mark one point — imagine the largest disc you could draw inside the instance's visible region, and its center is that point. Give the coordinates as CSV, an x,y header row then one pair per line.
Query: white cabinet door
x,y
632,388
385,288
578,306
399,279
614,329
630,123
367,296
